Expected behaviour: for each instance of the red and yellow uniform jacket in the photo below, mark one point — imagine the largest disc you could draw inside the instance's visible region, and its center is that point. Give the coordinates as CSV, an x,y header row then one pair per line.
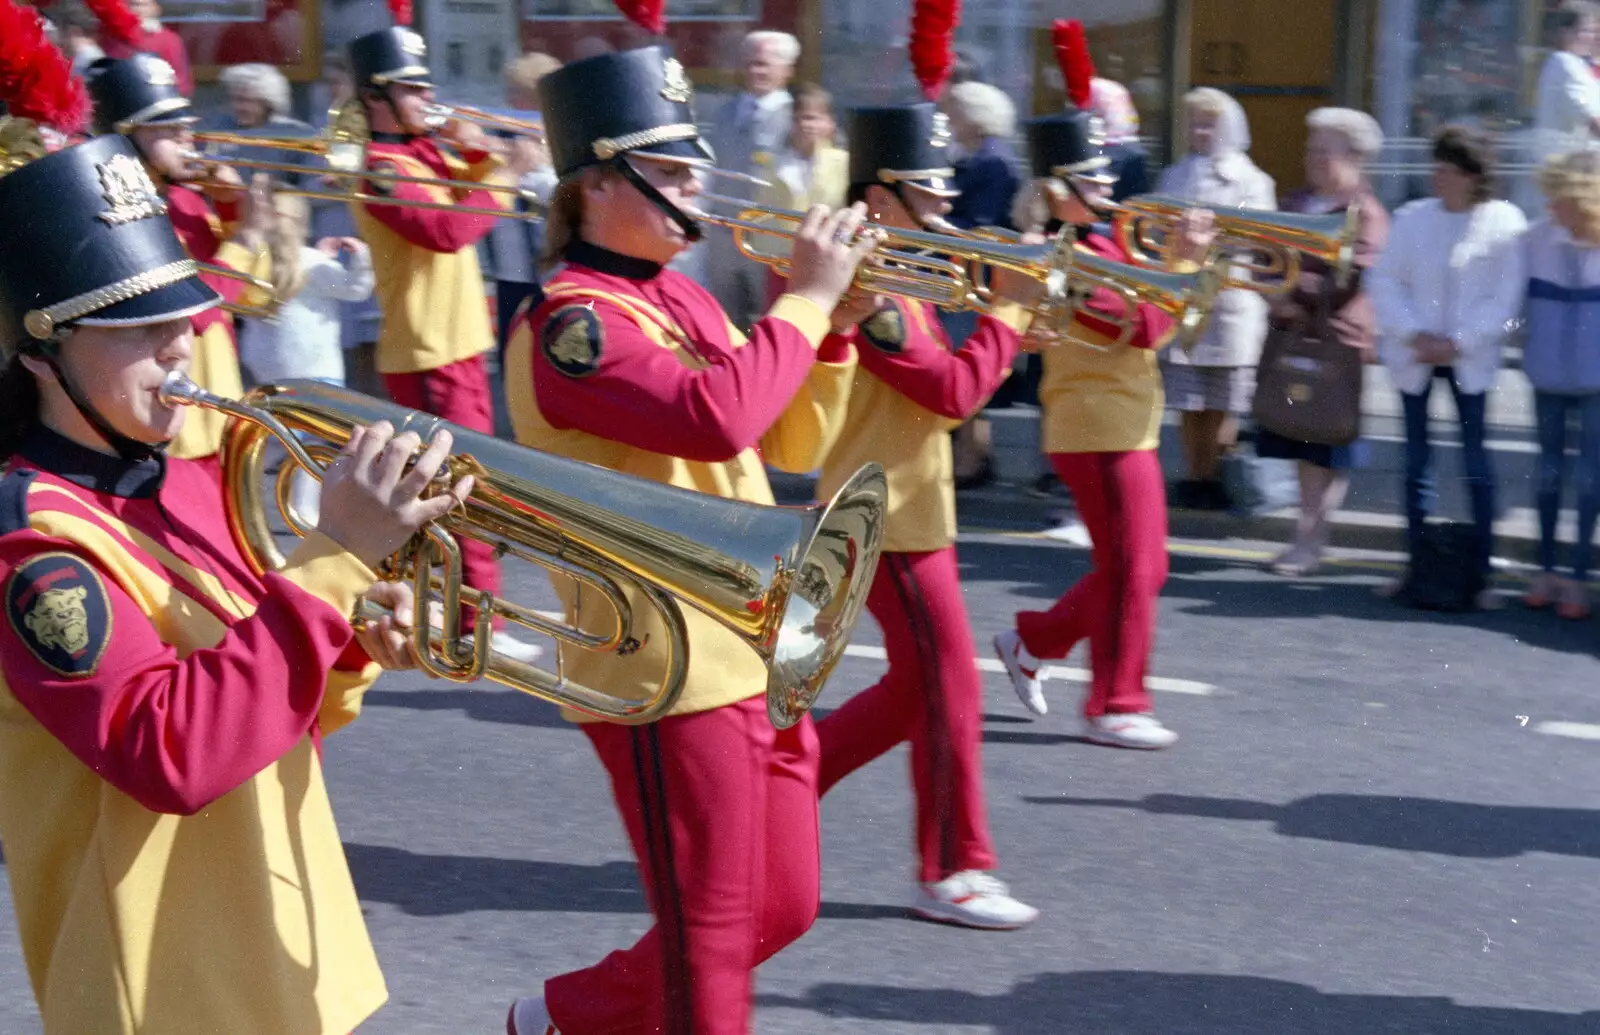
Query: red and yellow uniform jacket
x,y
207,237
172,853
911,388
638,369
1105,398
429,285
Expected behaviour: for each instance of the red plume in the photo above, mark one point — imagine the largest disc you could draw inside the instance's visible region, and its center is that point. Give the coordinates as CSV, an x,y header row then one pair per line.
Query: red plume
x,y
649,15
400,11
36,80
933,32
120,23
1072,54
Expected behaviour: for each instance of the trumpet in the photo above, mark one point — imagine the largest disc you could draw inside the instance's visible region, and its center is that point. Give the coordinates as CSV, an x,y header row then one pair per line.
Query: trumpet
x,y
437,115
945,269
1271,243
789,581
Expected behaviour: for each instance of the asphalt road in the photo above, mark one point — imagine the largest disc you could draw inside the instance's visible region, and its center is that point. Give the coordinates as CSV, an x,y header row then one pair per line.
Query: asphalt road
x,y
1375,823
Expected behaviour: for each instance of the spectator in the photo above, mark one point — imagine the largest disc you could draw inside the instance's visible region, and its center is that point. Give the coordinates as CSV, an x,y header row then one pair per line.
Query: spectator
x,y
1339,145
982,121
513,246
158,40
1130,163
1448,284
78,28
751,129
966,69
258,104
811,169
303,339
1211,387
1567,107
1562,362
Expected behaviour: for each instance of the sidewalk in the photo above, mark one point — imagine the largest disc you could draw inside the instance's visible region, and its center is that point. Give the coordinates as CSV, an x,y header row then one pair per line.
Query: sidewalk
x,y
1373,516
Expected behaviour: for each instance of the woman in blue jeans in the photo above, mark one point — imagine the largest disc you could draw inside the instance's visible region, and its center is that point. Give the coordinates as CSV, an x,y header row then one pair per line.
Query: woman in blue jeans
x,y
1445,290
1562,360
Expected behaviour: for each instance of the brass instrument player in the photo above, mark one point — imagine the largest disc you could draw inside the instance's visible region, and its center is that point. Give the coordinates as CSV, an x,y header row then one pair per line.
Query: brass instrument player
x,y
224,224
1102,405
912,387
171,848
632,366
435,327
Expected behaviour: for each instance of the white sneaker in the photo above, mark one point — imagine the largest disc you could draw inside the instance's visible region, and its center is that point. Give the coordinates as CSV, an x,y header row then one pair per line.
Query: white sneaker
x,y
1023,668
1139,730
529,1017
973,898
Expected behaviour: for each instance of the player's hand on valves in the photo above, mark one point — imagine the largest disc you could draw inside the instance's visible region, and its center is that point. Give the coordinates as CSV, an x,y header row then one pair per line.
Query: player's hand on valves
x,y
826,252
372,501
855,306
1025,290
387,640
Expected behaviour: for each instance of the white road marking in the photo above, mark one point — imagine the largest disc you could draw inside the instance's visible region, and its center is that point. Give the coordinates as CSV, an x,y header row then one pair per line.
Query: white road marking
x,y
1577,730
1165,684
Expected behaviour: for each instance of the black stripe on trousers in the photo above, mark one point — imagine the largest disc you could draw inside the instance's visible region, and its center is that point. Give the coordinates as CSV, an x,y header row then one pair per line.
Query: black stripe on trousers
x,y
922,631
664,877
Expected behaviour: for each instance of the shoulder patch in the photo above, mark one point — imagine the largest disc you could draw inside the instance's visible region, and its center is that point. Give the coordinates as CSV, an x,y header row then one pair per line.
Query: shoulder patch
x,y
571,338
14,488
886,328
58,606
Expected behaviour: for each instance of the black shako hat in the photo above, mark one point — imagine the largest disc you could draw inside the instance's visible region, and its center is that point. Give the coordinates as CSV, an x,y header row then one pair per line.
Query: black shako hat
x,y
393,55
84,239
141,90
635,101
1069,146
905,143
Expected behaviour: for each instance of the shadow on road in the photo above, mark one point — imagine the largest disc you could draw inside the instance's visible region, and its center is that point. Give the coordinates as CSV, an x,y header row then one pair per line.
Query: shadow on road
x,y
1135,1003
1404,824
445,885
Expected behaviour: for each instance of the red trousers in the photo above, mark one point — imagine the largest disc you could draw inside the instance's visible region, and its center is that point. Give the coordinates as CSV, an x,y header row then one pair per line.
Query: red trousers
x,y
932,696
458,392
1122,498
721,809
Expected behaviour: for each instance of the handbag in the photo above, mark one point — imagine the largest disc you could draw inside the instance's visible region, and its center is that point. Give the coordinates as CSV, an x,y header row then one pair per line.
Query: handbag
x,y
1308,385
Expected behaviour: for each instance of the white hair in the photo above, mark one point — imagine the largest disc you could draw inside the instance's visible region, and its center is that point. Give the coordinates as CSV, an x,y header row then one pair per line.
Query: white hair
x,y
985,106
1360,131
785,48
263,82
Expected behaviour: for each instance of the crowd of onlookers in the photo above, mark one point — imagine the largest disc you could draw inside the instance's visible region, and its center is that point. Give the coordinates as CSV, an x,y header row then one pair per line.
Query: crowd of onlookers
x,y
1435,292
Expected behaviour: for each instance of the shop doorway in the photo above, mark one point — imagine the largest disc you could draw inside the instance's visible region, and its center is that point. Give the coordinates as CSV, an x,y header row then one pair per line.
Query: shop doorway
x,y
1277,59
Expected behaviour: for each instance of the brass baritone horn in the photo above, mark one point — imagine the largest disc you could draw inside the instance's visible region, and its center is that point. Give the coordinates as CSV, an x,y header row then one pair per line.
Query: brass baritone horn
x,y
790,581
1260,249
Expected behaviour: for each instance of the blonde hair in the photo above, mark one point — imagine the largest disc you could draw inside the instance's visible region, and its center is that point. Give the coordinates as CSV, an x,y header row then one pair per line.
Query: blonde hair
x,y
1361,132
262,82
1576,177
525,72
1205,100
985,106
785,48
288,236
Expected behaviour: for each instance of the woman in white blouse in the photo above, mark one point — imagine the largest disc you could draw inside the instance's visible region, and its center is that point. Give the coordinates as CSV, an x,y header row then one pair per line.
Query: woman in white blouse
x,y
1446,289
1212,386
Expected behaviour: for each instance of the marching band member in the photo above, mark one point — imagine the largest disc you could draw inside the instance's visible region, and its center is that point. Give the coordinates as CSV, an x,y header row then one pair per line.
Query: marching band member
x,y
911,388
637,368
171,849
435,327
138,97
1102,421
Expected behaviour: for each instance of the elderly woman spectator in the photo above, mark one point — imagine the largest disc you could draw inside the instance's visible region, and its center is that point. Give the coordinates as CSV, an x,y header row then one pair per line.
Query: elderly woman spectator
x,y
1561,357
982,122
1211,386
259,103
1448,284
1130,163
1340,143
